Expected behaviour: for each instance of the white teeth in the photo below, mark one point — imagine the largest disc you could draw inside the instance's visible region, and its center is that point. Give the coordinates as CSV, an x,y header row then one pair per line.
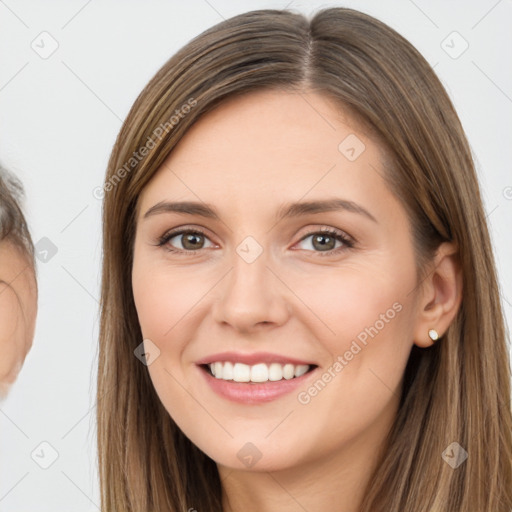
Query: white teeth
x,y
288,371
218,370
301,369
260,372
241,372
275,372
227,371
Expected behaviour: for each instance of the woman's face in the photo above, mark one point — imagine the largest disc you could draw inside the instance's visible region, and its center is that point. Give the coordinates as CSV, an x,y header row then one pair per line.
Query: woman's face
x,y
263,295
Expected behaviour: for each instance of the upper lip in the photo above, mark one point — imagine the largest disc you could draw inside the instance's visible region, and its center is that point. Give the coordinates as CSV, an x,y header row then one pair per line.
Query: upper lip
x,y
251,359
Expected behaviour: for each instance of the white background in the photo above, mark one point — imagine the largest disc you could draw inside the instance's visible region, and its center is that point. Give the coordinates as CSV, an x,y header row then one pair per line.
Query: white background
x,y
59,119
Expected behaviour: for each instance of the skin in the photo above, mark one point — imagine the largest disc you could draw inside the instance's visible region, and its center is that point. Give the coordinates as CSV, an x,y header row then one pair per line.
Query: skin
x,y
18,311
246,158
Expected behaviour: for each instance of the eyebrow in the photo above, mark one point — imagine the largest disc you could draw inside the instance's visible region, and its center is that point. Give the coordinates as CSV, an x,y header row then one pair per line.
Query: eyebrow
x,y
288,210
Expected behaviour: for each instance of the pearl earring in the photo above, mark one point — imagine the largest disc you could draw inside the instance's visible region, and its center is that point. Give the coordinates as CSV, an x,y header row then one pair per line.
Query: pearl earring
x,y
433,334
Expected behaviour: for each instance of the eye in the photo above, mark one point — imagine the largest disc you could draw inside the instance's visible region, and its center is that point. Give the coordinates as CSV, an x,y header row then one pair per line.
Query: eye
x,y
323,241
191,240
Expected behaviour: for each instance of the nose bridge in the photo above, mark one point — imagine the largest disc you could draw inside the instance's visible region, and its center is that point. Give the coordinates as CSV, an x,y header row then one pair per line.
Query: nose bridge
x,y
250,293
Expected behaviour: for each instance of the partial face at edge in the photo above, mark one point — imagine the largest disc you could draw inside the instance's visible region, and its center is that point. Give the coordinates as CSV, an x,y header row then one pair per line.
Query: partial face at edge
x,y
18,311
254,283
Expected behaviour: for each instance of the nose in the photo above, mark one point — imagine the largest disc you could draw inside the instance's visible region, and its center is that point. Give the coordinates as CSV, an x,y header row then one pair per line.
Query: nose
x,y
251,295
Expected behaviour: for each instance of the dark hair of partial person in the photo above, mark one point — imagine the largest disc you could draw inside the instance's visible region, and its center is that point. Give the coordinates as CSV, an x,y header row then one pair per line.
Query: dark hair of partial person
x,y
13,225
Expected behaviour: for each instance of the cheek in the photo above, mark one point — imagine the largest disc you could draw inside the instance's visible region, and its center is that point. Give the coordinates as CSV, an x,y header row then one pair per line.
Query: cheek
x,y
346,302
369,341
10,335
161,303
363,317
161,298
168,303
156,305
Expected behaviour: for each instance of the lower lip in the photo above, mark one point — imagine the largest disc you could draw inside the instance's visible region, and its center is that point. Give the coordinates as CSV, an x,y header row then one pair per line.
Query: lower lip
x,y
251,392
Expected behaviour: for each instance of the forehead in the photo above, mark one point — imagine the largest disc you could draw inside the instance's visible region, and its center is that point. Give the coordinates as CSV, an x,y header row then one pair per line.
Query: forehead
x,y
270,144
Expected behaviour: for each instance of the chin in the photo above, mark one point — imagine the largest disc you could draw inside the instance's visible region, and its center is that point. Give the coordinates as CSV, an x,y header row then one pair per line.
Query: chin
x,y
257,454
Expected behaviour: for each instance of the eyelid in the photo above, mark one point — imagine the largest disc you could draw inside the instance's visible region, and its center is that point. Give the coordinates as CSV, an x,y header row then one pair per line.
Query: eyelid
x,y
329,229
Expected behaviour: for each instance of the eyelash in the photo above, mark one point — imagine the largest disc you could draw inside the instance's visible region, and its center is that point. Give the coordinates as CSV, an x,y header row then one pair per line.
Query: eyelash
x,y
348,243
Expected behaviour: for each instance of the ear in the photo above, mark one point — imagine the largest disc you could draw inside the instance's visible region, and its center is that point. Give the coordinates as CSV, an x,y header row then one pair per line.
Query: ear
x,y
440,297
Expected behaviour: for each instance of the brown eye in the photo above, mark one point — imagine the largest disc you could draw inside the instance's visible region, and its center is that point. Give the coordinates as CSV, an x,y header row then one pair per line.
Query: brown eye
x,y
323,242
190,241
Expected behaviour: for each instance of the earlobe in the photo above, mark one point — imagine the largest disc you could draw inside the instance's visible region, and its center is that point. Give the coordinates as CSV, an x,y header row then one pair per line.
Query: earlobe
x,y
441,296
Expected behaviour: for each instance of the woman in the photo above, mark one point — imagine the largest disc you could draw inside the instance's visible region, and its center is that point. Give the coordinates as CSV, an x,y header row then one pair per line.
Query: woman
x,y
300,308
18,286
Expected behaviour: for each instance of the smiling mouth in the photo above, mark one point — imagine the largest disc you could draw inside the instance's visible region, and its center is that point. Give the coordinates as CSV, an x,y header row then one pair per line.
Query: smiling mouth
x,y
257,373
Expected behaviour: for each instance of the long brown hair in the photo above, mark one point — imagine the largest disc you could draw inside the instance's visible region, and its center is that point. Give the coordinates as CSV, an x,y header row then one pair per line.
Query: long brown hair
x,y
456,391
